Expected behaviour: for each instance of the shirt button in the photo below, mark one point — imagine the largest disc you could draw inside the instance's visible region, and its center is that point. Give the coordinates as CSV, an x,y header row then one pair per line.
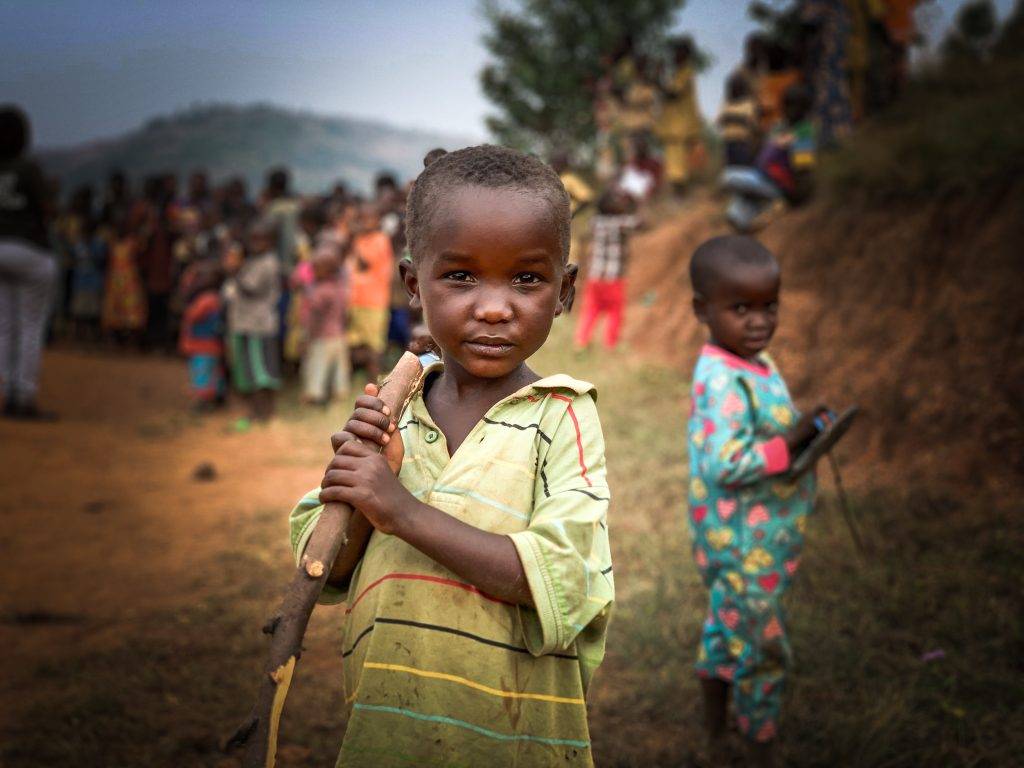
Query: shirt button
x,y
431,436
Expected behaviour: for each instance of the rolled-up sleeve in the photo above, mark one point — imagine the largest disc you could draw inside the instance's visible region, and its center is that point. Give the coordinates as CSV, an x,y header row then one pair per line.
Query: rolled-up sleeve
x,y
564,550
301,523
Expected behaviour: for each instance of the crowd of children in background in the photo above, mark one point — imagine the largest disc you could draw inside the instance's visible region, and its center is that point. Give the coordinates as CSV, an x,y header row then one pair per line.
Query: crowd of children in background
x,y
250,291
255,290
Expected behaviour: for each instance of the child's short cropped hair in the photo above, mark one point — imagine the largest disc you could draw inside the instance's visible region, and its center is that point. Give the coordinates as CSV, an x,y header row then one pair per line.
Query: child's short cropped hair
x,y
483,166
713,258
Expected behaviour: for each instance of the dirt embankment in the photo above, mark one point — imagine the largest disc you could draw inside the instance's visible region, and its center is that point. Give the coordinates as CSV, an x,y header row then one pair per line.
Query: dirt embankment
x,y
915,312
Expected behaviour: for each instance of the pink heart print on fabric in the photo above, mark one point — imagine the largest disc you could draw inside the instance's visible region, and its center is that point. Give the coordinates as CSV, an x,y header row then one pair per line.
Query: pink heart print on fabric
x,y
791,565
772,629
699,513
733,404
768,582
723,672
730,617
758,515
725,508
709,427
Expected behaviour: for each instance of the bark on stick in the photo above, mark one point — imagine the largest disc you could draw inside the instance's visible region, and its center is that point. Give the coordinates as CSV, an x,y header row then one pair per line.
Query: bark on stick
x,y
288,626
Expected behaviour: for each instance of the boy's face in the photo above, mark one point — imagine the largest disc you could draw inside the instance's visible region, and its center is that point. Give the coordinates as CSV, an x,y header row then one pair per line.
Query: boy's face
x,y
491,280
741,310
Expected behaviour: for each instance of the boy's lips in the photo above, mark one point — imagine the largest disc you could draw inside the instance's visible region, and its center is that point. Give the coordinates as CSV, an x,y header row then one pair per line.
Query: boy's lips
x,y
490,346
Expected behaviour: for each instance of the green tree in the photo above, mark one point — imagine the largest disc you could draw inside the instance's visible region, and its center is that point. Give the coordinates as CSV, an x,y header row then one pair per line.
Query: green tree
x,y
547,54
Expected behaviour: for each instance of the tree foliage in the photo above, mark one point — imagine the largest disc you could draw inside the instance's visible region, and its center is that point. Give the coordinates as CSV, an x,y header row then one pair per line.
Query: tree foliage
x,y
546,55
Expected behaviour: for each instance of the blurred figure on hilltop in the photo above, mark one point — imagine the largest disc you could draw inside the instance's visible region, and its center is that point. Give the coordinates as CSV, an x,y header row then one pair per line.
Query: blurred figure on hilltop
x,y
739,122
784,168
827,30
640,104
779,71
580,198
371,265
679,125
27,269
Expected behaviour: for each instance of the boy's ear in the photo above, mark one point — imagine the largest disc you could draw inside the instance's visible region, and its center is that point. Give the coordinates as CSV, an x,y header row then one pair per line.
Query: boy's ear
x,y
567,291
411,282
700,307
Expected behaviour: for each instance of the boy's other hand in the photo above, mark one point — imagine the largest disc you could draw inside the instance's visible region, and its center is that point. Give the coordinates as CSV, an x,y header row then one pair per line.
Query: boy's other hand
x,y
801,433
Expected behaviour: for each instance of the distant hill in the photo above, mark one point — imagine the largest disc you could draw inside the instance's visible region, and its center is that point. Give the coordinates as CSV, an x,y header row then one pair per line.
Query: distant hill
x,y
247,140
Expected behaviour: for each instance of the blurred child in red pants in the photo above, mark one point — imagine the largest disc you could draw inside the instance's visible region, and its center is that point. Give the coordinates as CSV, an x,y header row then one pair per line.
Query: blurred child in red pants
x,y
604,292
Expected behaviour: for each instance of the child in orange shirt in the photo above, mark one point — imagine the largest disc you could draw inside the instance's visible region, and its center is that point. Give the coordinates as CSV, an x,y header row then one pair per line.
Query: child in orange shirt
x,y
372,262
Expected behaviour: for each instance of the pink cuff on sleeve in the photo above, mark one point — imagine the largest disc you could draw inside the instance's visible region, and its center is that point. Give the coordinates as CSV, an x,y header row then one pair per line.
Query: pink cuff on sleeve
x,y
775,453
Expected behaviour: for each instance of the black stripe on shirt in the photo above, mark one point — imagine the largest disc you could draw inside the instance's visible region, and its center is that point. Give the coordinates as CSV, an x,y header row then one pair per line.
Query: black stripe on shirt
x,y
453,631
520,427
362,634
594,496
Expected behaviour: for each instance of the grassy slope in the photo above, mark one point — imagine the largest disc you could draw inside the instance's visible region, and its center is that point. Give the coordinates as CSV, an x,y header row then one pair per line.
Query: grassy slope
x,y
177,682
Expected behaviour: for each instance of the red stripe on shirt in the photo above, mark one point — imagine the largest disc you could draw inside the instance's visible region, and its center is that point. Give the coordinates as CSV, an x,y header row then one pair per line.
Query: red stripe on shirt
x,y
423,577
579,438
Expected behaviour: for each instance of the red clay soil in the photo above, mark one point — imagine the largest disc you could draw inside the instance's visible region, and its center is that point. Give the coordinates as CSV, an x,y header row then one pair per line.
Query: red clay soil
x,y
914,312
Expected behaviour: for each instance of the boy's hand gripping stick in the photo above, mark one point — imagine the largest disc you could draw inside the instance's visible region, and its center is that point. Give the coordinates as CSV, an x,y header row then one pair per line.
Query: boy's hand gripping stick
x,y
288,626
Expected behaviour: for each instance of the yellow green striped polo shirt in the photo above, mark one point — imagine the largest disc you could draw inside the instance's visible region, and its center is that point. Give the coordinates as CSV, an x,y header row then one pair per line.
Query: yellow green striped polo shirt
x,y
437,673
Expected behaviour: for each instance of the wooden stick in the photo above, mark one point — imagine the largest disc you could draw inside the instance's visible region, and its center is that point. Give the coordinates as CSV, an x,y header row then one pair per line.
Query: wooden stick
x,y
288,626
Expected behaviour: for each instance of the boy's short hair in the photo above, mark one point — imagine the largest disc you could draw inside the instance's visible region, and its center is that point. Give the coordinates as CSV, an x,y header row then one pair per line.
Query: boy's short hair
x,y
714,257
488,166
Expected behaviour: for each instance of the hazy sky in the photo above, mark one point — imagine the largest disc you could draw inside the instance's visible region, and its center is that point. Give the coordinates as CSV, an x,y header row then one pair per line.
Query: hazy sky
x,y
85,69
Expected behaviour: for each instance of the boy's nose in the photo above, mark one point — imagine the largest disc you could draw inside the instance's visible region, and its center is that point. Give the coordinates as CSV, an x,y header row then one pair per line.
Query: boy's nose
x,y
492,307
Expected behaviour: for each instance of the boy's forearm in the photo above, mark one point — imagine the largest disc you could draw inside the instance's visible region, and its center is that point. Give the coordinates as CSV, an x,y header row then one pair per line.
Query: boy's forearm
x,y
488,561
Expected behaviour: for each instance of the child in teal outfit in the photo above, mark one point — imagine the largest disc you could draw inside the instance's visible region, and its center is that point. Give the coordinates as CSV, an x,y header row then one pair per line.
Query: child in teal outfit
x,y
747,521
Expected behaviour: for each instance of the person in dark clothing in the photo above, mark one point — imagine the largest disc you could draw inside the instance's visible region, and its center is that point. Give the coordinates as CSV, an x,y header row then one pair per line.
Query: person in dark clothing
x,y
27,270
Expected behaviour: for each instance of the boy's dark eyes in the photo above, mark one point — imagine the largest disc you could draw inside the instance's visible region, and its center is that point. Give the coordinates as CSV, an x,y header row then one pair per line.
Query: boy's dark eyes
x,y
742,309
523,278
528,278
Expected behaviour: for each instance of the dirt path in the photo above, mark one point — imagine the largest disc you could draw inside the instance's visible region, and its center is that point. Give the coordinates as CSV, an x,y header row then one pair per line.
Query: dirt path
x,y
103,522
